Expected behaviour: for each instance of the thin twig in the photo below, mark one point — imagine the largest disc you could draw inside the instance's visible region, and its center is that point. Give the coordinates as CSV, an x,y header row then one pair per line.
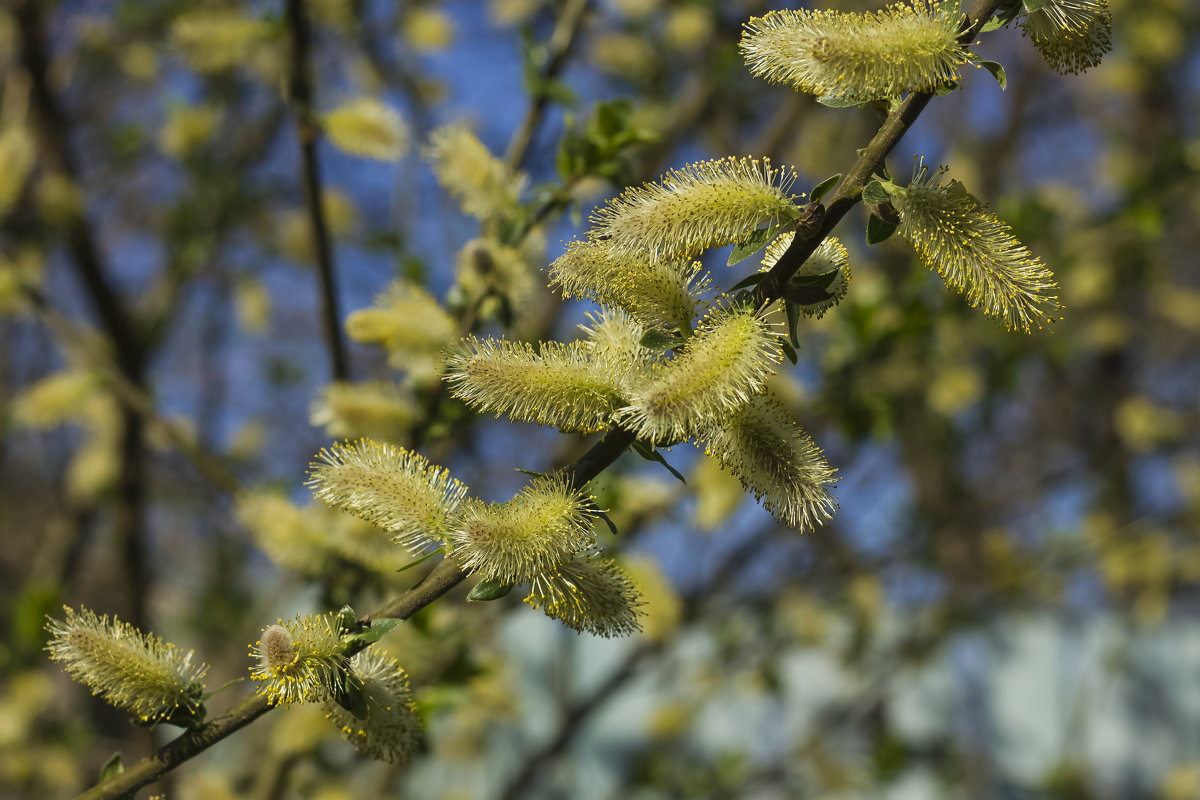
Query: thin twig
x,y
560,46
307,131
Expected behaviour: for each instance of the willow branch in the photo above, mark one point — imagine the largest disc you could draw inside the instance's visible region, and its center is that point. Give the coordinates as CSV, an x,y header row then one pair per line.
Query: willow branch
x,y
560,46
307,130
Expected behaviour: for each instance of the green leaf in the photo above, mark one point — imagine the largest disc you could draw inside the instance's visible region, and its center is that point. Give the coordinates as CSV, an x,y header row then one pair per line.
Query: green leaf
x,y
820,281
793,319
752,279
612,526
489,589
655,339
997,71
823,187
112,767
648,452
879,230
531,473
375,630
347,620
945,89
204,698
352,698
1034,5
839,102
753,243
790,353
874,194
421,560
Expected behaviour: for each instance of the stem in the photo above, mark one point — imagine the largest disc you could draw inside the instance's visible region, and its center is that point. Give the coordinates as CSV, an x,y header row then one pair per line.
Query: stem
x,y
560,45
307,131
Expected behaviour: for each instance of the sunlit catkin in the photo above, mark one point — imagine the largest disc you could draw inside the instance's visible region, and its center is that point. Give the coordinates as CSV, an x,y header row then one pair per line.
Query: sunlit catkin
x,y
1071,35
720,368
702,205
589,593
974,252
483,185
545,525
367,127
391,731
654,292
558,384
300,660
391,487
909,46
830,256
134,671
763,447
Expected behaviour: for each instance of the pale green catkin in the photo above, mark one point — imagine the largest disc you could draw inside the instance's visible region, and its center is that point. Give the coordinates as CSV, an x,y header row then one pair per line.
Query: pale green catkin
x,y
560,385
391,487
391,731
134,671
763,447
721,367
589,593
830,255
703,205
1071,35
546,524
300,660
909,46
975,253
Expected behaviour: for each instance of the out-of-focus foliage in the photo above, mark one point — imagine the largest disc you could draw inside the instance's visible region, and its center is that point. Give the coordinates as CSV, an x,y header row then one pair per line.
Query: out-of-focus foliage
x,y
1004,605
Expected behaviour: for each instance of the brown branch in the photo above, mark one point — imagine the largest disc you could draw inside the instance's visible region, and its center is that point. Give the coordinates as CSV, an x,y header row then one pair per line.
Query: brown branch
x,y
307,130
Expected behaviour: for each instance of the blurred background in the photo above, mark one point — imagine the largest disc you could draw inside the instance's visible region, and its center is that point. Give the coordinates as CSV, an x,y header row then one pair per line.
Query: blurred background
x,y
1007,604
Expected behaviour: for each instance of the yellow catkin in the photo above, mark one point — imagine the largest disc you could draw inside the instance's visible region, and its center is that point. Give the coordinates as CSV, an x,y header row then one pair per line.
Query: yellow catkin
x,y
975,252
703,205
589,593
391,731
908,46
1071,35
299,660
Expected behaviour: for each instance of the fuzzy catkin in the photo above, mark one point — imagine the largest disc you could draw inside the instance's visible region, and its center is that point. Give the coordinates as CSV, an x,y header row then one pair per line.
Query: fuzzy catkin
x,y
300,660
1071,35
589,593
763,447
703,205
908,46
483,185
134,671
975,252
391,487
830,255
654,292
559,384
720,368
391,731
546,524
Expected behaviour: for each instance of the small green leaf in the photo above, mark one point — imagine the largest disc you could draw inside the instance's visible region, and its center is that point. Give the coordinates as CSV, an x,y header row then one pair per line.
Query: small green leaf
x,y
1034,5
375,630
352,698
648,452
790,353
993,24
347,621
945,89
823,187
421,560
752,279
839,102
753,243
997,71
655,339
112,767
612,526
793,319
879,230
489,589
820,281
874,194
204,698
531,473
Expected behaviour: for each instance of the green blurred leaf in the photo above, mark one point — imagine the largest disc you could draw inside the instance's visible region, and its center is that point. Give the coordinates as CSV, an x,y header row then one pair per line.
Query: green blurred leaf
x,y
489,589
